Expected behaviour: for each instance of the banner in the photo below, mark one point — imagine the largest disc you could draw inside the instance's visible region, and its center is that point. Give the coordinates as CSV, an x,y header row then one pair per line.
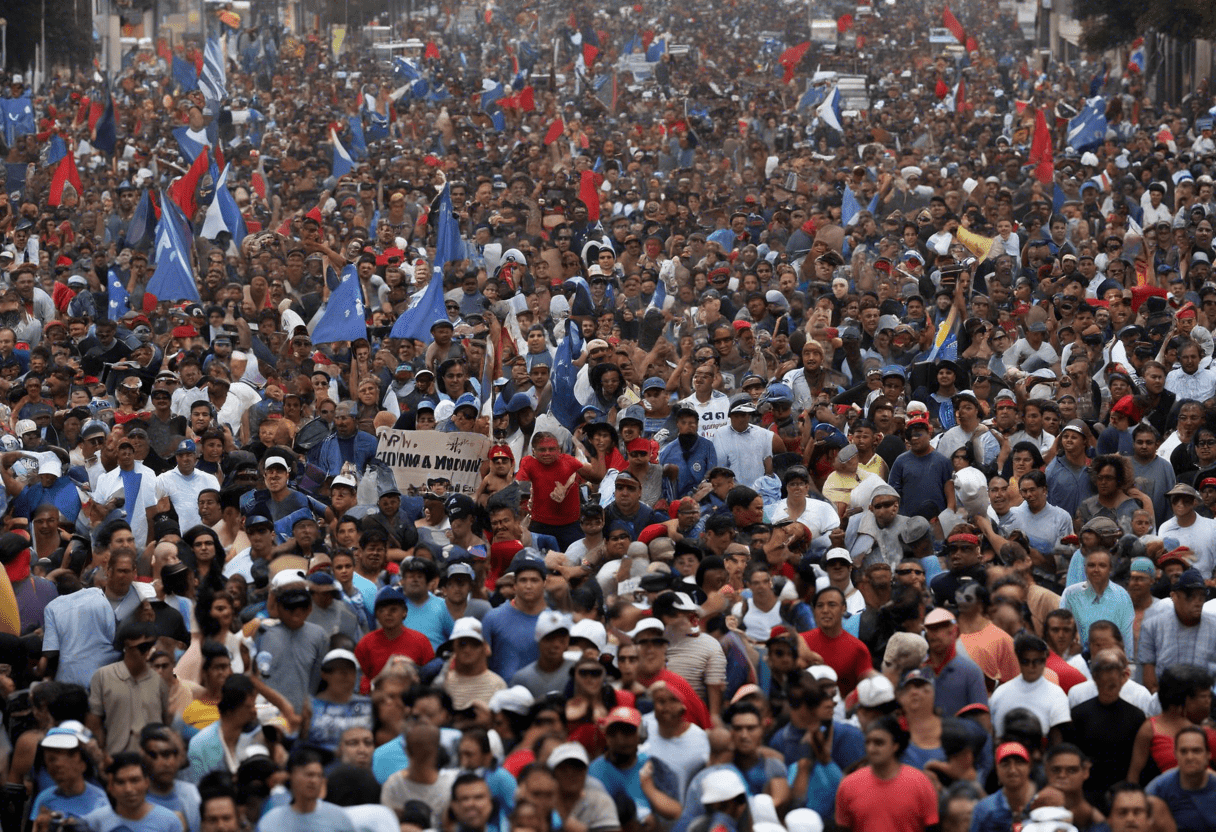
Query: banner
x,y
416,455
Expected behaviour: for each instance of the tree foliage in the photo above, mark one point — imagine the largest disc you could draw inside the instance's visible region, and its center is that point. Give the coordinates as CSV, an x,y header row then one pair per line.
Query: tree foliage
x,y
1111,23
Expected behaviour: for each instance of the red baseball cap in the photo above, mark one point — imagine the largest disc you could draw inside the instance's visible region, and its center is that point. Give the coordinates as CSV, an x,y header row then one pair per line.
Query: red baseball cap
x,y
623,715
1011,749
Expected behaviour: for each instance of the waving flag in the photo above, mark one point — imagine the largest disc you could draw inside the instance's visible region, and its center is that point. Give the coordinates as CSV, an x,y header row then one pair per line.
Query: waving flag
x,y
1040,150
491,91
1088,129
1136,61
566,408
358,145
190,143
184,190
403,70
142,229
416,322
813,97
850,207
65,174
105,134
184,74
212,81
116,294
829,110
950,22
343,164
174,277
656,50
56,149
790,59
223,213
18,118
345,317
945,343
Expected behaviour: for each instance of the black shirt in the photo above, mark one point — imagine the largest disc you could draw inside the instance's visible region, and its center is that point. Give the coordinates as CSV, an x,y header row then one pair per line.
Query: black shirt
x,y
1106,733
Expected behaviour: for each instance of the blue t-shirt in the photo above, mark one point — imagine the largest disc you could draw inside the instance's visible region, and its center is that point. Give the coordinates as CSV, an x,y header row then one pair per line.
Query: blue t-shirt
x,y
430,618
75,806
1194,811
63,495
158,819
627,783
185,799
511,637
919,479
325,818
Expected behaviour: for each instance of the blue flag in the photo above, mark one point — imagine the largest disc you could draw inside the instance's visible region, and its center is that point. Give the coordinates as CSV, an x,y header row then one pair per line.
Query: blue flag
x,y
566,407
416,322
174,277
723,237
499,120
377,126
358,145
1058,199
581,304
343,164
223,213
829,110
105,134
18,118
813,97
849,207
116,294
213,82
188,144
403,70
184,74
344,316
489,96
656,50
142,229
56,149
1087,129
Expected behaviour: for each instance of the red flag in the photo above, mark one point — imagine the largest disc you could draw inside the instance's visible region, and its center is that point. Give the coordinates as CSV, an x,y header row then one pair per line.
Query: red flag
x,y
259,184
555,131
163,50
285,228
219,157
65,172
647,38
589,53
184,190
960,97
790,59
526,99
951,23
1040,150
589,193
972,46
95,111
844,23
432,51
489,14
941,90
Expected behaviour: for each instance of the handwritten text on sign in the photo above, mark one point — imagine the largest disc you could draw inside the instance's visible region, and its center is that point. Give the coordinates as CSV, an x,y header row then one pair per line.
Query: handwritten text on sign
x,y
418,455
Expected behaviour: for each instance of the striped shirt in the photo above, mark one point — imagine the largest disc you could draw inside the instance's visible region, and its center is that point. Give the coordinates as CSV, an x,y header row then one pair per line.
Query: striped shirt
x,y
699,660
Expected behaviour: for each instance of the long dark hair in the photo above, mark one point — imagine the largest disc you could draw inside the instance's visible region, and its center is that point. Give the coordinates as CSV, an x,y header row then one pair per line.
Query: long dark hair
x,y
215,577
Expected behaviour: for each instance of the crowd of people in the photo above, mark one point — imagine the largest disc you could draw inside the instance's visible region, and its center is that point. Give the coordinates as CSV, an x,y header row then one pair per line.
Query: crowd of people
x,y
849,468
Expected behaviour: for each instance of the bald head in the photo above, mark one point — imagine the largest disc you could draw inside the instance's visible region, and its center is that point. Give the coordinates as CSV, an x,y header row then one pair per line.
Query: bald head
x,y
422,741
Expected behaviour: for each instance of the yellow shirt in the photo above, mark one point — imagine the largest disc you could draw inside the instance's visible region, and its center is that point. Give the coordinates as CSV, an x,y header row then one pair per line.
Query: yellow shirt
x,y
199,714
875,466
837,487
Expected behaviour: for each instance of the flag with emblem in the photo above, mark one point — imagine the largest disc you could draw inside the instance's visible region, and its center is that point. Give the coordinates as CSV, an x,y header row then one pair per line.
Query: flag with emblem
x,y
416,321
18,118
344,318
118,304
174,276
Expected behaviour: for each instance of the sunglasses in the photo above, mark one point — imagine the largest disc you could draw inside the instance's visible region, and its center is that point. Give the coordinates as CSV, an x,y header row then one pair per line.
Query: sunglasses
x,y
590,672
909,571
144,646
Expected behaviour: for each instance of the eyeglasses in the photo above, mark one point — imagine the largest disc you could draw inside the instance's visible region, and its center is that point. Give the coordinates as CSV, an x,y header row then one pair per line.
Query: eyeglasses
x,y
1032,662
909,571
590,672
886,504
724,340
144,646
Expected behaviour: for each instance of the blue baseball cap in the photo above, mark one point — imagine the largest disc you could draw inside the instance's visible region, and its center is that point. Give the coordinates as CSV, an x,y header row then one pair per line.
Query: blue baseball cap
x,y
652,383
518,402
442,322
389,595
894,370
467,400
186,446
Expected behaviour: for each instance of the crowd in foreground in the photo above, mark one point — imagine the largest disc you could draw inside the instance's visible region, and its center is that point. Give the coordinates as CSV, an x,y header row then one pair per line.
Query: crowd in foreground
x,y
843,471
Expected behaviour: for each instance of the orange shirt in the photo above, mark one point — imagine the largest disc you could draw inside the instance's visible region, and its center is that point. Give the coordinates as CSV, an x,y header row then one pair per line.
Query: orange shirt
x,y
992,649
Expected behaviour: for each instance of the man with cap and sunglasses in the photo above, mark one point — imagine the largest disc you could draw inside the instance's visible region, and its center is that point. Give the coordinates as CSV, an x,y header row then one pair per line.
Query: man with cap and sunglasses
x,y
289,654
745,448
1190,530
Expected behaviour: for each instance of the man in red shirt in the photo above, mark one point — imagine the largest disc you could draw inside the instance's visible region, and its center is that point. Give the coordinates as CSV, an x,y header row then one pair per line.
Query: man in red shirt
x,y
392,639
555,499
651,640
845,654
886,794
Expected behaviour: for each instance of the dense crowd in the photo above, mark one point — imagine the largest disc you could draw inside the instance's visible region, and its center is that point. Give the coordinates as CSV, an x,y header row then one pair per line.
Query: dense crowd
x,y
835,467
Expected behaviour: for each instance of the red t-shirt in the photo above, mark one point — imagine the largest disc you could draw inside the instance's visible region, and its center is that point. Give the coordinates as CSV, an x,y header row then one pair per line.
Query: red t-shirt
x,y
374,650
905,803
543,479
1067,674
695,710
845,654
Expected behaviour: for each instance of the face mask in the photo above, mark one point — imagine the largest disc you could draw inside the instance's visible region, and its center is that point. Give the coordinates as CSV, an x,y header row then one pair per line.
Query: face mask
x,y
687,440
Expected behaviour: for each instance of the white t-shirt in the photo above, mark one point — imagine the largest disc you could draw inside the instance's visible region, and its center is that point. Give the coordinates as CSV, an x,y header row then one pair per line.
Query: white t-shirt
x,y
685,755
713,413
183,494
1199,537
1047,701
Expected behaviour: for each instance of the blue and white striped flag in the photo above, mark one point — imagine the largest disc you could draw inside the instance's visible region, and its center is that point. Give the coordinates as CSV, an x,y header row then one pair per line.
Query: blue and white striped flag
x,y
212,81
